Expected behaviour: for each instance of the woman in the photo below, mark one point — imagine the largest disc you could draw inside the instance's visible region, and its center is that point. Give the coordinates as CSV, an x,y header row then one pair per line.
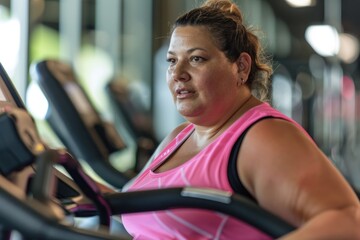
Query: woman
x,y
218,77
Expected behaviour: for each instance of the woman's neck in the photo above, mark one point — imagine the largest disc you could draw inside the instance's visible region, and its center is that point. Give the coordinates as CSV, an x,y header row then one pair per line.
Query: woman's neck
x,y
203,134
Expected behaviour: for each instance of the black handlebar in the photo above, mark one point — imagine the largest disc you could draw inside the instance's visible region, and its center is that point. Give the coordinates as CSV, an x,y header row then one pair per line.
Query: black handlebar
x,y
189,197
30,219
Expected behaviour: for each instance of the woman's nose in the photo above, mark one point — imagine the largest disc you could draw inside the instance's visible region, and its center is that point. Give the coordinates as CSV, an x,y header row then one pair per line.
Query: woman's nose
x,y
179,72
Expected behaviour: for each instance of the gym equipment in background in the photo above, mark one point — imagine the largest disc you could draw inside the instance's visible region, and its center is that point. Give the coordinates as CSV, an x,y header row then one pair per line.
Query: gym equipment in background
x,y
76,122
131,112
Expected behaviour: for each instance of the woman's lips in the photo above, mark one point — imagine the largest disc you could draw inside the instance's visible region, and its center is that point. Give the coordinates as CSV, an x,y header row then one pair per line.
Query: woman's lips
x,y
183,93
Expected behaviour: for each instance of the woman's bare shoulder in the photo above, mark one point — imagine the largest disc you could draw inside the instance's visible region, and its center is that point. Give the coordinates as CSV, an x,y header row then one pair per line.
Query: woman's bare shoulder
x,y
289,174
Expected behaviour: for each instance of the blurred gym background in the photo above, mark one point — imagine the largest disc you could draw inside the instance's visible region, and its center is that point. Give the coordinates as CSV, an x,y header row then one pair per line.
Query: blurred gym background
x,y
314,46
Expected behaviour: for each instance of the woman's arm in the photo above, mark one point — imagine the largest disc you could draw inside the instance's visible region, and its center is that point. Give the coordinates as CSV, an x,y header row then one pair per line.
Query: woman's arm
x,y
290,176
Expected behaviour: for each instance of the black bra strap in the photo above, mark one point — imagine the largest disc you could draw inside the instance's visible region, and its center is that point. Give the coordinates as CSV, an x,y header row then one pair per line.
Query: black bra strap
x,y
233,175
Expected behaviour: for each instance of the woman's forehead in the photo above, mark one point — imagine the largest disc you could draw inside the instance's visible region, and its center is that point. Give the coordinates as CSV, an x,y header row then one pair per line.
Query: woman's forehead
x,y
194,36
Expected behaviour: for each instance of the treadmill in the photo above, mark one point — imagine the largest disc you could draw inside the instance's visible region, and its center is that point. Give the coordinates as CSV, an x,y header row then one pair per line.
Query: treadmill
x,y
34,209
77,123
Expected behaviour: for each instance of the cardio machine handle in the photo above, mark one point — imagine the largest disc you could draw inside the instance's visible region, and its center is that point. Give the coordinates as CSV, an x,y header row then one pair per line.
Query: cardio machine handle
x,y
202,198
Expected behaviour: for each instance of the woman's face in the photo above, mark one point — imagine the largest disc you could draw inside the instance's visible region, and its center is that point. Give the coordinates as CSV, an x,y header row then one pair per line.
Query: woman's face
x,y
200,77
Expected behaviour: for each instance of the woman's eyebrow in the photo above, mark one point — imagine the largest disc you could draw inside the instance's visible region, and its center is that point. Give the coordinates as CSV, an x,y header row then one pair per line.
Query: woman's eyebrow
x,y
189,50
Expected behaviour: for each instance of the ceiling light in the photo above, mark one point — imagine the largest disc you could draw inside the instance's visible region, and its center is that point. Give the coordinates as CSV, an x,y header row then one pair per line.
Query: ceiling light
x,y
301,3
349,48
324,39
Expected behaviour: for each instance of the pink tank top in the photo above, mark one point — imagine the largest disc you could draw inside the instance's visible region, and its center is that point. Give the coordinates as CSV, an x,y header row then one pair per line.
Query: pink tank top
x,y
207,169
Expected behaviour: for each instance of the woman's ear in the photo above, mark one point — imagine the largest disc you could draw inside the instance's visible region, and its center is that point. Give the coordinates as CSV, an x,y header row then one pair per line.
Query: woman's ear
x,y
244,66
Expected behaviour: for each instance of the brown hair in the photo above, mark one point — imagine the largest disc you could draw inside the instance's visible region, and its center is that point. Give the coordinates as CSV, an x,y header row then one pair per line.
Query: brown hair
x,y
224,20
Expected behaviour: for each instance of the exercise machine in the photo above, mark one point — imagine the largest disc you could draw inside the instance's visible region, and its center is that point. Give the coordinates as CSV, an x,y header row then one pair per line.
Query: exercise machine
x,y
33,199
76,121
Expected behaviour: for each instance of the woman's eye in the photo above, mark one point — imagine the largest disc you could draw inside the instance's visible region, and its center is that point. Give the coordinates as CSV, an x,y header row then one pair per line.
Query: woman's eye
x,y
170,60
197,59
